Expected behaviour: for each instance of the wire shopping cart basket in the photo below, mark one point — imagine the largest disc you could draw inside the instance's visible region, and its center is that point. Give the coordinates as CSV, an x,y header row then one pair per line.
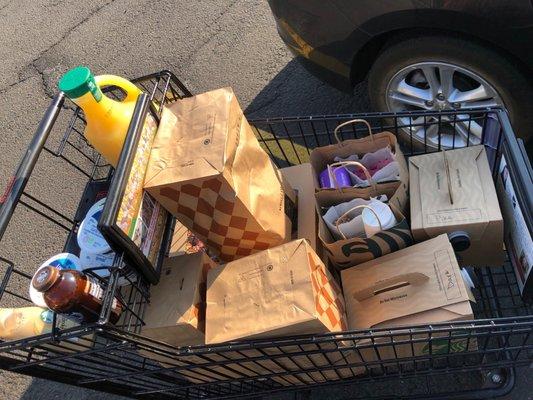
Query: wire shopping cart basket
x,y
118,359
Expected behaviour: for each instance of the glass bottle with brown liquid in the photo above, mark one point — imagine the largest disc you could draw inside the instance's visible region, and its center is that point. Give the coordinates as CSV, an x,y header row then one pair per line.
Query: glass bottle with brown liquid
x,y
68,291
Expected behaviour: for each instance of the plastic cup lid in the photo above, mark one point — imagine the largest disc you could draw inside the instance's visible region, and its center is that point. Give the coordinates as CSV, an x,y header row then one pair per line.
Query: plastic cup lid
x,y
90,239
89,260
60,261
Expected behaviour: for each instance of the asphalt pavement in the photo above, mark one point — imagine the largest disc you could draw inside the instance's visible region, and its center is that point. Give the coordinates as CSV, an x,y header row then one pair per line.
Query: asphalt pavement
x,y
207,43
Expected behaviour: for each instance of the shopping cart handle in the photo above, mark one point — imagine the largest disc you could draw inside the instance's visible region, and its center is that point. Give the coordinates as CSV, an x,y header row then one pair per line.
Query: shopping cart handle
x,y
17,183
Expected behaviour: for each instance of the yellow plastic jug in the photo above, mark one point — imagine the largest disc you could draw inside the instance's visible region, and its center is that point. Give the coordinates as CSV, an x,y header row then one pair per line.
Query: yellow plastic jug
x,y
107,119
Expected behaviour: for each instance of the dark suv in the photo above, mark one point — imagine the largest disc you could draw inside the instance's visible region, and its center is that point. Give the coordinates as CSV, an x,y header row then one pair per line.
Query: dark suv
x,y
420,54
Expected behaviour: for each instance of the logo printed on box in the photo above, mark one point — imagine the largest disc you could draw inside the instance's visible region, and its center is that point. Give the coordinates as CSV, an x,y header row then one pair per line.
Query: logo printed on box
x,y
254,273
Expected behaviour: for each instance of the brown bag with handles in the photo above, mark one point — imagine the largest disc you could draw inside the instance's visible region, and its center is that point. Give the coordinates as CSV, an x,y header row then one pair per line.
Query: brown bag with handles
x,y
397,191
348,252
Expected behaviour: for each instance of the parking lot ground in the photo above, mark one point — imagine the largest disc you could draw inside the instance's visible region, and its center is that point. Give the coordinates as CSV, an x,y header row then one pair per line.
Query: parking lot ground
x,y
207,43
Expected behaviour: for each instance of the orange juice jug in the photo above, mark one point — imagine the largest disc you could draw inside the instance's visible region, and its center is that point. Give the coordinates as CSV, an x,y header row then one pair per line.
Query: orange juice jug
x,y
107,119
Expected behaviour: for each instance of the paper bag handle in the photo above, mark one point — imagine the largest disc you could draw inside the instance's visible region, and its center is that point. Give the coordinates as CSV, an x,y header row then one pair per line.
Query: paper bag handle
x,y
448,177
349,211
353,121
410,278
357,164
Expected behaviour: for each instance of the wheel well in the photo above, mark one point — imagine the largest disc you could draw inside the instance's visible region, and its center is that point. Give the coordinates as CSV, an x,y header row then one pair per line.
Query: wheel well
x,y
364,59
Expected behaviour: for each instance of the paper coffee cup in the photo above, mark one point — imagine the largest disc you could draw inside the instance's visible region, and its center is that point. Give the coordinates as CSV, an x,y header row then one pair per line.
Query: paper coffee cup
x,y
383,212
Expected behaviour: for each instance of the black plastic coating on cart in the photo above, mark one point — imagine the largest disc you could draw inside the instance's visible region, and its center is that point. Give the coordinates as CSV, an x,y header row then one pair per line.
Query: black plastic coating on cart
x,y
118,240
15,188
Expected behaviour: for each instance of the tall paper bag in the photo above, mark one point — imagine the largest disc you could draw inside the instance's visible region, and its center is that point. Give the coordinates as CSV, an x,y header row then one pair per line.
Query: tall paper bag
x,y
208,169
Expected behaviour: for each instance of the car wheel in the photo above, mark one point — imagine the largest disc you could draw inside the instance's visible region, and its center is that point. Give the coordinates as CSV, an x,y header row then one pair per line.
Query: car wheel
x,y
437,73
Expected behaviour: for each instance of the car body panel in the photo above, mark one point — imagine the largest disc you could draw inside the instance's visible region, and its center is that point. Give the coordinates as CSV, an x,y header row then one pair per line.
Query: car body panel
x,y
331,34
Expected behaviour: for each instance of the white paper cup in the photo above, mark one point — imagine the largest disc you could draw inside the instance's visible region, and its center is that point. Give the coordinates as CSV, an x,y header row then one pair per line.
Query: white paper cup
x,y
383,212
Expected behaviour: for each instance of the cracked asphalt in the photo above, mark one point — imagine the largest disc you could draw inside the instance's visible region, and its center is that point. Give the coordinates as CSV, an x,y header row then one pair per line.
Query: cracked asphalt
x,y
207,43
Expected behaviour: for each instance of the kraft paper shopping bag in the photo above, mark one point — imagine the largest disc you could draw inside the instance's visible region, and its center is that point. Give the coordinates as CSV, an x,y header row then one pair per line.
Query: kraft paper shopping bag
x,y
396,189
208,169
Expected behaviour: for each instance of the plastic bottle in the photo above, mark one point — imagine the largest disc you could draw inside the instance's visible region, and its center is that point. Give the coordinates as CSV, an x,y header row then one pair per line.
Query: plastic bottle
x,y
107,119
71,291
23,322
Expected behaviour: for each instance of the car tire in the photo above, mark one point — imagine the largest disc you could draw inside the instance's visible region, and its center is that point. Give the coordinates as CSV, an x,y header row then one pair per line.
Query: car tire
x,y
512,86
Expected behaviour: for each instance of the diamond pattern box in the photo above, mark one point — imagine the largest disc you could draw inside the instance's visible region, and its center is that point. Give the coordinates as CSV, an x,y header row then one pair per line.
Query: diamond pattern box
x,y
208,169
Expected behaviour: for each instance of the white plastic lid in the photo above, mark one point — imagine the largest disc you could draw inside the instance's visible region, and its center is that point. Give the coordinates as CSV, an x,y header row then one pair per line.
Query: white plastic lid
x,y
89,260
61,261
90,239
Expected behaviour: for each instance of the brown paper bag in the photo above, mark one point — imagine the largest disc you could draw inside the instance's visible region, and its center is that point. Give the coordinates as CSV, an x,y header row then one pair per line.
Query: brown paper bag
x,y
453,192
285,290
208,169
397,191
419,285
176,312
349,252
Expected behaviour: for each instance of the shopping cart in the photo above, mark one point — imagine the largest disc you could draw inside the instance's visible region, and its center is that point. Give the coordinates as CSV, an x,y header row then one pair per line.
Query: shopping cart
x,y
61,166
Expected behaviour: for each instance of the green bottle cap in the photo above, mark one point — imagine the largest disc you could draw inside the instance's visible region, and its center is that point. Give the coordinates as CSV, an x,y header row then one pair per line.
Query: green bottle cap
x,y
79,81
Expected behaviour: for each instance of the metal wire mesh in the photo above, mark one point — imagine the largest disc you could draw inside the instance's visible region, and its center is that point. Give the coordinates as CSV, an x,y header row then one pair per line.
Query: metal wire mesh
x,y
118,359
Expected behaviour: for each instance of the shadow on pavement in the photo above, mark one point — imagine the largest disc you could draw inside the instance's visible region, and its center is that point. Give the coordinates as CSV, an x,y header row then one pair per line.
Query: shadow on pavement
x,y
41,389
295,92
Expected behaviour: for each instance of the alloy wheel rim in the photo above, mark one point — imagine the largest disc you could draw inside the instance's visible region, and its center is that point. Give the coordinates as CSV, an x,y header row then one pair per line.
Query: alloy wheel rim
x,y
437,86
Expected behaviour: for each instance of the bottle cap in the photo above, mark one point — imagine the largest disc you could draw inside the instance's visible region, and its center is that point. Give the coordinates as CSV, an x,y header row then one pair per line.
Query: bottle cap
x,y
59,261
79,81
45,278
459,240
